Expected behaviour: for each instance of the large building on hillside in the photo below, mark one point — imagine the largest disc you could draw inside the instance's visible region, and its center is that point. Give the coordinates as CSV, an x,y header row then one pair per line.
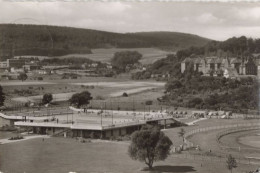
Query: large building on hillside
x,y
222,66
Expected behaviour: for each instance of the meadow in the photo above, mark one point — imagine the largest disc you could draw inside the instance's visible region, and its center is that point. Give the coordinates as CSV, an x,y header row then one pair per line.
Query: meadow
x,y
150,55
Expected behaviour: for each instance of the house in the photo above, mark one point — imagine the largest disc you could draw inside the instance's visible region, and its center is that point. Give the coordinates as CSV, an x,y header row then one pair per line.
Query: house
x,y
3,64
215,66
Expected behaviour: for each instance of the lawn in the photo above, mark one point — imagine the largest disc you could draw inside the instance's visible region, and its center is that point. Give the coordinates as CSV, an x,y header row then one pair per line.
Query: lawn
x,y
59,155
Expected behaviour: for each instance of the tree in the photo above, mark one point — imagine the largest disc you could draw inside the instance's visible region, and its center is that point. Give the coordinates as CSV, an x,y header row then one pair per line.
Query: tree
x,y
79,99
181,134
125,94
171,85
124,58
22,76
2,96
149,145
47,98
231,162
148,102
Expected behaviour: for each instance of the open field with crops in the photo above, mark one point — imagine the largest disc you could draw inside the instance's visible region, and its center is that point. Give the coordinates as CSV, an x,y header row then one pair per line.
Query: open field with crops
x,y
150,55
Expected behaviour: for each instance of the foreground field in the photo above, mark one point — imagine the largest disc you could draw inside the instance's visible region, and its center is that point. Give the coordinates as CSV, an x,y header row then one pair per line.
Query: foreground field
x,y
54,155
59,155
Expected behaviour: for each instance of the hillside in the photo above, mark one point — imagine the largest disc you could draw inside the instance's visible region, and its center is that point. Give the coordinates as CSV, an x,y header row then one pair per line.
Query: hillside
x,y
21,39
172,40
235,46
232,47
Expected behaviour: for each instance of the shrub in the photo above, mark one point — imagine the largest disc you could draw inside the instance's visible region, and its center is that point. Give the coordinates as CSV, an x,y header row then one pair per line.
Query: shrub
x,y
16,138
40,78
149,102
99,97
125,94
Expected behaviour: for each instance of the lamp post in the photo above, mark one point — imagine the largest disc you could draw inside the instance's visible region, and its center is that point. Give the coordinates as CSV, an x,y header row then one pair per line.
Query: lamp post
x,y
111,110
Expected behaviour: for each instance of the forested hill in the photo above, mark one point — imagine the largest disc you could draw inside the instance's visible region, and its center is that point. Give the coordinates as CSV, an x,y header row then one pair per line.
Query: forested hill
x,y
235,46
172,39
38,38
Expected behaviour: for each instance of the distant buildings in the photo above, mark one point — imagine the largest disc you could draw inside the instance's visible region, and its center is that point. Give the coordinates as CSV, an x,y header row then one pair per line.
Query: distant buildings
x,y
222,66
3,64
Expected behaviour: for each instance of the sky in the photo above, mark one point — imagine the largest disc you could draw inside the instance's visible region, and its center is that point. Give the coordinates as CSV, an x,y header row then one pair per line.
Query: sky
x,y
218,21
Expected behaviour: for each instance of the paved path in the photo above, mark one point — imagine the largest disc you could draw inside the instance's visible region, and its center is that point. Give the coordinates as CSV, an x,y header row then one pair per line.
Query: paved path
x,y
195,121
6,141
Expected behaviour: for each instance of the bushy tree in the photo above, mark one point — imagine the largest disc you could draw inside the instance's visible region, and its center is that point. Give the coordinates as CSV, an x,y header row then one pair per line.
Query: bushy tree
x,y
22,76
79,99
47,98
2,96
231,162
124,58
171,85
149,145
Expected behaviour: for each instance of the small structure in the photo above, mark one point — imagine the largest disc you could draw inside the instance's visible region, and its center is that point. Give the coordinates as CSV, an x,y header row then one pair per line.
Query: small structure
x,y
230,73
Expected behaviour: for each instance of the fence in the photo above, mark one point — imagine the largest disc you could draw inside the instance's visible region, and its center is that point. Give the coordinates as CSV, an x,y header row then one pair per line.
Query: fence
x,y
229,131
234,128
214,159
205,129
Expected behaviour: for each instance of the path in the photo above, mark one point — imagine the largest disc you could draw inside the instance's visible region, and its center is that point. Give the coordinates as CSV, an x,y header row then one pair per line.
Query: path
x,y
195,121
6,141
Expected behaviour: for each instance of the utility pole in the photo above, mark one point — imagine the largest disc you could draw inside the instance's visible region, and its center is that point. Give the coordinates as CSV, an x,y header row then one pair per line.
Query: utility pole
x,y
101,116
144,111
133,105
112,111
101,112
105,107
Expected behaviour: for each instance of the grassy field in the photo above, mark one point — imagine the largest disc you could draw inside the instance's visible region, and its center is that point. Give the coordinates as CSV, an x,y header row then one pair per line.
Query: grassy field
x,y
59,155
110,89
150,55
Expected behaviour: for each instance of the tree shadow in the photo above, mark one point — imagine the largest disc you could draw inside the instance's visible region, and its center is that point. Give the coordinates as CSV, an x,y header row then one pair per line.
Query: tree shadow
x,y
174,169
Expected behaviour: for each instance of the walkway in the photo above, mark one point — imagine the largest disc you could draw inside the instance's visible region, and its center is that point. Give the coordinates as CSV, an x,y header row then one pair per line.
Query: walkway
x,y
6,141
